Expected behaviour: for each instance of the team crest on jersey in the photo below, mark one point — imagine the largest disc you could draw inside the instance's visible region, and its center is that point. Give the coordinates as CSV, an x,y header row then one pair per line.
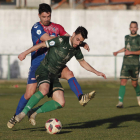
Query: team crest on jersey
x,y
60,40
52,43
38,32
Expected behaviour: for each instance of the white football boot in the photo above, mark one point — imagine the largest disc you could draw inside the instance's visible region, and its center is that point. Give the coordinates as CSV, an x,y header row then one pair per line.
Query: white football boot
x,y
11,123
86,98
119,105
20,116
32,118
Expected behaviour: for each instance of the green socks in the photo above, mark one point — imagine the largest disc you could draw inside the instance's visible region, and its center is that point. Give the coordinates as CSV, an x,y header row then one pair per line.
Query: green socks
x,y
121,93
137,89
33,101
49,106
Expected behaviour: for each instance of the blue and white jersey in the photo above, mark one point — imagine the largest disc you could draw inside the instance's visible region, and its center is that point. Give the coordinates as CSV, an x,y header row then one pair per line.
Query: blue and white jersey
x,y
37,31
37,56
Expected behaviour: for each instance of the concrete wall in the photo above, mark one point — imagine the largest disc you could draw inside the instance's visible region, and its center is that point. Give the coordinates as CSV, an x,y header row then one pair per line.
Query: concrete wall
x,y
106,34
31,3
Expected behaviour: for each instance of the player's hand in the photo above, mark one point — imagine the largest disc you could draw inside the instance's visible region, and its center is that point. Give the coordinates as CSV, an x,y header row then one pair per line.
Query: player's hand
x,y
115,53
101,74
127,52
22,56
86,47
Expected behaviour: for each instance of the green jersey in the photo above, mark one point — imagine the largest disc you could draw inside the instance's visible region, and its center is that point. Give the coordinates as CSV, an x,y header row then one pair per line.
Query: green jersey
x,y
59,53
132,43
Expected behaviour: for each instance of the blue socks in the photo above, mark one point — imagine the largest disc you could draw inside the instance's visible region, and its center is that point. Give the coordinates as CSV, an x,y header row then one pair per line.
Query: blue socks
x,y
75,87
21,104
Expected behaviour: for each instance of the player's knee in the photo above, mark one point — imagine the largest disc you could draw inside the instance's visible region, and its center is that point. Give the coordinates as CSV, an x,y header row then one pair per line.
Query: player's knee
x,y
123,83
28,95
69,74
134,85
44,91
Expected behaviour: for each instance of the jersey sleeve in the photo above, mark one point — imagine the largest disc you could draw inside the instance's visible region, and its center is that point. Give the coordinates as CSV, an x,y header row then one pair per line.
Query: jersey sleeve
x,y
55,42
79,56
139,41
62,31
38,30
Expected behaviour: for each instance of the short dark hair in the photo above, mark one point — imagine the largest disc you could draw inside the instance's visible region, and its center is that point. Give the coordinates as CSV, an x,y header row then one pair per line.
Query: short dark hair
x,y
43,7
81,30
134,22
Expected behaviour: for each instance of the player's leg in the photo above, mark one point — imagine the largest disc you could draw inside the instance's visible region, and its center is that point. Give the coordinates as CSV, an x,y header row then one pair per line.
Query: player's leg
x,y
134,80
75,87
30,90
57,103
43,90
43,81
57,94
123,77
137,90
121,93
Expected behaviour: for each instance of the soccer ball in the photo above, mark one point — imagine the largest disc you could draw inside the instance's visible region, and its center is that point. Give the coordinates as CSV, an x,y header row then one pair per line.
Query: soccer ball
x,y
53,126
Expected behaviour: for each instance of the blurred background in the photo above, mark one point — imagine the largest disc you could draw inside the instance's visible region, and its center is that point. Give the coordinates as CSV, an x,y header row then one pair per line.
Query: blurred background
x,y
107,22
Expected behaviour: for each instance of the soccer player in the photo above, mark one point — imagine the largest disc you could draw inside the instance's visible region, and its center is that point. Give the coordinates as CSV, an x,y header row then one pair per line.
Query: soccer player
x,y
130,66
61,50
42,31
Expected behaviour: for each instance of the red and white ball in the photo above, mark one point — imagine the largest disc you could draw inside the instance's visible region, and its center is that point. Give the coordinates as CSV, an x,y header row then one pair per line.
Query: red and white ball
x,y
53,126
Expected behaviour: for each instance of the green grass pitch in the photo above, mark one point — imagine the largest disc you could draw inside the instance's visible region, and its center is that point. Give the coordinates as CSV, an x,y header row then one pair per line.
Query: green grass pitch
x,y
99,120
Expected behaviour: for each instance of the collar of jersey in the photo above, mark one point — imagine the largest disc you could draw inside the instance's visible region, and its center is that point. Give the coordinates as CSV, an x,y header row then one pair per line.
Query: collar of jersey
x,y
133,36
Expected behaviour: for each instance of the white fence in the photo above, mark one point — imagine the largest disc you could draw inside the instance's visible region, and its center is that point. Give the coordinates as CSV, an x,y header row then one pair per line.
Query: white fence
x,y
106,34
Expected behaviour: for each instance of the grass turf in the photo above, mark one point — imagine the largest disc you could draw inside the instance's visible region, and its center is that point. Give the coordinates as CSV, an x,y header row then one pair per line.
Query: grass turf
x,y
99,120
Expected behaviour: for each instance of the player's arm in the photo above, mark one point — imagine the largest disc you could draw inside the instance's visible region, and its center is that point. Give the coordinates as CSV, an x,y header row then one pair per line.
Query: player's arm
x,y
127,52
38,31
23,55
119,51
50,43
88,67
46,37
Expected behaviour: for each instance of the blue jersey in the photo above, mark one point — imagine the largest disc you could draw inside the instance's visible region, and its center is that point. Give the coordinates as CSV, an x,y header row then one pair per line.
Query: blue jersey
x,y
37,31
37,56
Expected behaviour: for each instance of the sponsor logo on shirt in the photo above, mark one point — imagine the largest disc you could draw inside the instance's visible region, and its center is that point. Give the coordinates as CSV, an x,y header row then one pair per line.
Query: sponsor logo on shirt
x,y
64,47
60,39
38,32
35,26
52,43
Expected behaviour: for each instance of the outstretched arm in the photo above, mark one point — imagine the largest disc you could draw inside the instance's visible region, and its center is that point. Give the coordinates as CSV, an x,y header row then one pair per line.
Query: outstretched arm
x,y
127,52
121,50
46,37
23,55
88,67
